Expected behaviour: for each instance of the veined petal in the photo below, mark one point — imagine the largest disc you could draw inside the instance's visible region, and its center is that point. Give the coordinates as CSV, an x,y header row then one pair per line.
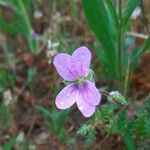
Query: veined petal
x,y
62,64
81,60
86,109
90,93
67,97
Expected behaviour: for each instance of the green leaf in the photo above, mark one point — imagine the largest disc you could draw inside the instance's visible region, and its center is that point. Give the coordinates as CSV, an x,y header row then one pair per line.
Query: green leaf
x,y
31,73
57,118
118,123
9,144
5,116
91,136
102,56
112,11
138,53
100,21
141,127
129,9
129,141
63,116
147,105
18,23
5,79
105,113
84,129
89,132
44,111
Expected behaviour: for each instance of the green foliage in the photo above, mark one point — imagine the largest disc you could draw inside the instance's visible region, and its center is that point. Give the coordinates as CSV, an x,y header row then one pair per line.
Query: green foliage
x,y
31,73
89,132
109,23
118,124
16,141
10,144
138,52
84,129
5,116
57,120
100,18
18,23
147,105
91,136
113,118
5,80
129,141
105,113
129,9
112,11
141,127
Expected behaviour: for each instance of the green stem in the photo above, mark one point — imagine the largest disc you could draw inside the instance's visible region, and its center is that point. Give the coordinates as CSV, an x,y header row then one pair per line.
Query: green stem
x,y
127,78
27,25
119,48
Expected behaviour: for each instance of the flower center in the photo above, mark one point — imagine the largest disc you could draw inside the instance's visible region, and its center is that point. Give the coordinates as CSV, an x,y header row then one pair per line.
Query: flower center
x,y
80,80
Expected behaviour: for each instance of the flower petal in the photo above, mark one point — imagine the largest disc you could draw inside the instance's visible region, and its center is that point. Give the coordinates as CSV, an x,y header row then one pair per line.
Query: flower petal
x,y
67,97
62,64
90,93
86,109
81,60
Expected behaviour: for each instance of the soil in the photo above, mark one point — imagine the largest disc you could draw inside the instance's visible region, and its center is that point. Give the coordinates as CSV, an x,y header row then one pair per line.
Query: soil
x,y
141,78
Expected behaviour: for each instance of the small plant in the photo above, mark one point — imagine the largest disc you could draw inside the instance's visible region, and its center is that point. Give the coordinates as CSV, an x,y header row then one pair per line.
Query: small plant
x,y
5,116
18,22
6,79
112,117
55,121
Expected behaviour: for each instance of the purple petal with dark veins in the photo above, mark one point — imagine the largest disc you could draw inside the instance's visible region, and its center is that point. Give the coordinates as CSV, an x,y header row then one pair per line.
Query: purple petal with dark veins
x,y
90,93
62,63
66,97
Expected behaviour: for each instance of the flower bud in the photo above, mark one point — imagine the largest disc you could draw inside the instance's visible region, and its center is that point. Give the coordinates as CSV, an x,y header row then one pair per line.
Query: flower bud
x,y
116,97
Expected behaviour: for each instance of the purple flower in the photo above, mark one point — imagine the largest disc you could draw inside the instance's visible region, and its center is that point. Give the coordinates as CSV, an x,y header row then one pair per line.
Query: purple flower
x,y
81,91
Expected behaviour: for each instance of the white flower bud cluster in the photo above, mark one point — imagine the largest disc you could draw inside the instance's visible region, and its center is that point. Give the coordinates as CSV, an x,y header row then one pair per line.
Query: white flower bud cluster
x,y
52,50
38,14
7,96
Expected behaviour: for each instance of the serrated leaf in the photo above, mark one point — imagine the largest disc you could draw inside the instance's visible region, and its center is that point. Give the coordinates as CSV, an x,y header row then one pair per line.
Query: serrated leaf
x,y
105,113
141,127
91,136
83,130
118,124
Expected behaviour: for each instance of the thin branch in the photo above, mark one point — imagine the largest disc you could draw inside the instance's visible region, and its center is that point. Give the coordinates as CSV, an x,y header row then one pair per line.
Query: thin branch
x,y
138,35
